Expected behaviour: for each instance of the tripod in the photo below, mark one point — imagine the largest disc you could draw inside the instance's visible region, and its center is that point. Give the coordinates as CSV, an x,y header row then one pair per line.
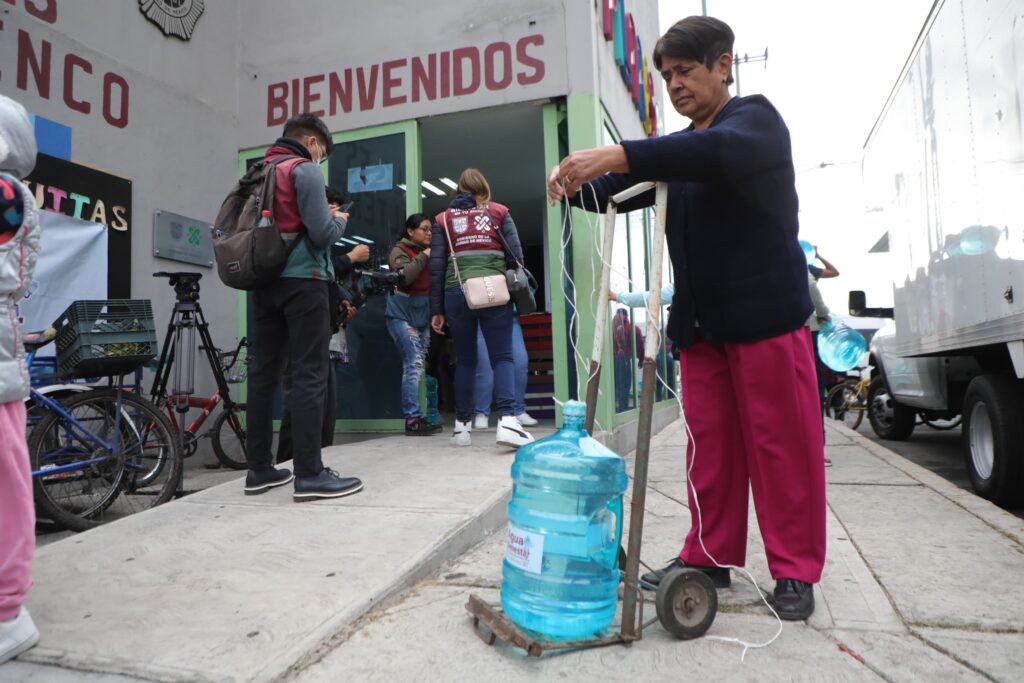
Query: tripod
x,y
176,368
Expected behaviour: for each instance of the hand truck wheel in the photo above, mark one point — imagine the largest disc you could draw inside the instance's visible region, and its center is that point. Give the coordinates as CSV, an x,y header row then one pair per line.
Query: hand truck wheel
x,y
687,603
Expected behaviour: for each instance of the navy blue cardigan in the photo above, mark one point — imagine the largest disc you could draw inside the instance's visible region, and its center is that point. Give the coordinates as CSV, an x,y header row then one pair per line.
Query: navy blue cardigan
x,y
731,223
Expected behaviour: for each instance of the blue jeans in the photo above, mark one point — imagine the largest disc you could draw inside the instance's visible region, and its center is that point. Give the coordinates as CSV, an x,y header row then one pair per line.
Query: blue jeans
x,y
484,386
496,325
412,343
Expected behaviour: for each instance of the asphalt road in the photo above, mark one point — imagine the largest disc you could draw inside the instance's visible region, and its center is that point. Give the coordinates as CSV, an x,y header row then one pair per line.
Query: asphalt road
x,y
939,451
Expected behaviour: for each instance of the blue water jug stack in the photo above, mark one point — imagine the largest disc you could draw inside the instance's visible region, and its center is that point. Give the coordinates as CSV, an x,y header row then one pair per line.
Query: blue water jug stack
x,y
560,576
840,346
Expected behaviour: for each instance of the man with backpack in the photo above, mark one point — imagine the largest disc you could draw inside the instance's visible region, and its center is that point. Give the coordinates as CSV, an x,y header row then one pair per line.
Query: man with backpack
x,y
291,318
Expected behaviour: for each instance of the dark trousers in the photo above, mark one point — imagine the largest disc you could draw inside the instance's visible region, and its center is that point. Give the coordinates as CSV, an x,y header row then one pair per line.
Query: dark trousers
x,y
284,437
290,327
496,325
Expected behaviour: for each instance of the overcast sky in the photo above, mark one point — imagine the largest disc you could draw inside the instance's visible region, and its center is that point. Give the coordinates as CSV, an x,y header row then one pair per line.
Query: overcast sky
x,y
831,66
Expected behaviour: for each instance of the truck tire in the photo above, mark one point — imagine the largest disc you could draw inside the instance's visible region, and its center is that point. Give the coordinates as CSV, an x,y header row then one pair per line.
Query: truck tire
x,y
889,419
993,439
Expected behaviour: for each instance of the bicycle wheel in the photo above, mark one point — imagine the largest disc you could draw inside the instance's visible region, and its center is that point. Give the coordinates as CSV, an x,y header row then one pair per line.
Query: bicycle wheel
x,y
229,438
107,462
843,403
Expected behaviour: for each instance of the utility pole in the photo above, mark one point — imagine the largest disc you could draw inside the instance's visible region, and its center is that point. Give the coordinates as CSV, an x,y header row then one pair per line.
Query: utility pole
x,y
746,59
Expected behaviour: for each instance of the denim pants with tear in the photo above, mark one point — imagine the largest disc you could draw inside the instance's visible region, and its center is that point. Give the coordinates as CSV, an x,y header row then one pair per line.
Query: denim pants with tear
x,y
412,343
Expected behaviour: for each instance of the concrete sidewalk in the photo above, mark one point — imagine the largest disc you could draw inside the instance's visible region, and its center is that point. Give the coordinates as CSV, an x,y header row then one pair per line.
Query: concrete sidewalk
x,y
922,582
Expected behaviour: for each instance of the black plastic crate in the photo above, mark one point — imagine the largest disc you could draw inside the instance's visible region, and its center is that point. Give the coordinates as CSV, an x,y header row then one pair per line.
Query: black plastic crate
x,y
106,337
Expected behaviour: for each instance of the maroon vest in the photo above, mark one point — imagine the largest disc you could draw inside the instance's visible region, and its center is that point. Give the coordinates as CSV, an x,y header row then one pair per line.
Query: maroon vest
x,y
421,285
474,229
286,204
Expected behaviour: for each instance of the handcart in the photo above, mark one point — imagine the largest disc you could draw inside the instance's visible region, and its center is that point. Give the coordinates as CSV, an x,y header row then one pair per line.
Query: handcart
x,y
686,601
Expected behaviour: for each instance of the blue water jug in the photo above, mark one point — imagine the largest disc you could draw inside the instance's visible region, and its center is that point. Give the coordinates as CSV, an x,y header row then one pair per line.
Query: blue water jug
x,y
560,577
840,346
430,414
810,252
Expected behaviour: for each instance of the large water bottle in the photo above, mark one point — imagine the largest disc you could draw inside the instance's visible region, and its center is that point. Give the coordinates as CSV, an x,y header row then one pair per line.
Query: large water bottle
x,y
564,528
840,346
810,252
430,414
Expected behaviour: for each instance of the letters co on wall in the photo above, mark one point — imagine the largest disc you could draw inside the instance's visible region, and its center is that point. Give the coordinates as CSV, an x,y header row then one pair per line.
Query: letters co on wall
x,y
90,195
620,29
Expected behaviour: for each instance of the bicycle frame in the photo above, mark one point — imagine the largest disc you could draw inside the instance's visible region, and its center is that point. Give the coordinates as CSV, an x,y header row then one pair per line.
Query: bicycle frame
x,y
82,434
206,406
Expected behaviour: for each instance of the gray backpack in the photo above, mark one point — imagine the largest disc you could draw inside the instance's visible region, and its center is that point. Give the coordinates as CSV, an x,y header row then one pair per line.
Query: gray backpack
x,y
246,244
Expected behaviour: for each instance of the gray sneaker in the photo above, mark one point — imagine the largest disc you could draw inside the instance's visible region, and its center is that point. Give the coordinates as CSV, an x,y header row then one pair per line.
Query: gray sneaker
x,y
327,484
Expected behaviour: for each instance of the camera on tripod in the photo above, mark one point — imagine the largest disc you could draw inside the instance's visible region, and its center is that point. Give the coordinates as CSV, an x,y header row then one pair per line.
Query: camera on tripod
x,y
186,285
372,282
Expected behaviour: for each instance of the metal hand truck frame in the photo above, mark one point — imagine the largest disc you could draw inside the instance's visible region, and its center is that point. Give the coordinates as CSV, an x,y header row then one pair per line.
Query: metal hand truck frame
x,y
686,600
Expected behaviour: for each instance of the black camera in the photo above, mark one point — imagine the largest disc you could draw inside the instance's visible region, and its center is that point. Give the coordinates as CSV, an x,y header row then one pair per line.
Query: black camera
x,y
372,282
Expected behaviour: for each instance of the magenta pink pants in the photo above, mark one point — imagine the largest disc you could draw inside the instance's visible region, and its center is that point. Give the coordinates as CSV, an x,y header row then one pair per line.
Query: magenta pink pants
x,y
17,513
755,417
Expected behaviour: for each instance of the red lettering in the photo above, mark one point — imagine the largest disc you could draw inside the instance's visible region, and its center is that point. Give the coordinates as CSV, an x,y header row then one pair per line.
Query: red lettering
x,y
367,91
526,60
340,94
308,96
424,78
109,81
70,62
47,13
40,66
391,82
277,103
446,66
458,57
490,80
295,97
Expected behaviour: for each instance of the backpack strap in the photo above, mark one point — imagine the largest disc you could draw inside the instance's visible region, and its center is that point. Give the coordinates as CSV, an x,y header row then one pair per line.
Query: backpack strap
x,y
284,158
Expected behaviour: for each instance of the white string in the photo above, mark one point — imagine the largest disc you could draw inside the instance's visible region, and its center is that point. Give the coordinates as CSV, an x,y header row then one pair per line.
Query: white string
x,y
686,425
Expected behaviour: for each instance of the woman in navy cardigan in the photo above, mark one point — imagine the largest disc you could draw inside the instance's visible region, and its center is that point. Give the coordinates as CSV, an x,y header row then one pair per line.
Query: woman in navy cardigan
x,y
738,313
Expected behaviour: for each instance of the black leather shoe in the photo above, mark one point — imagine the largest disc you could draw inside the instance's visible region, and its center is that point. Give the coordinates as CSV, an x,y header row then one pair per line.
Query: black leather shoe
x,y
794,599
718,575
327,484
261,481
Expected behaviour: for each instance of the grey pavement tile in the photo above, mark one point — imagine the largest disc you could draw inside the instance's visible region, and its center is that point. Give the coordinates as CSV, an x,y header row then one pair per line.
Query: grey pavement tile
x,y
900,658
999,655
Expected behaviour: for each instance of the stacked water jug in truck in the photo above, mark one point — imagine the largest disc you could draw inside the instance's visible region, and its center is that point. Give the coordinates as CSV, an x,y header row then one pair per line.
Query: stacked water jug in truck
x,y
945,164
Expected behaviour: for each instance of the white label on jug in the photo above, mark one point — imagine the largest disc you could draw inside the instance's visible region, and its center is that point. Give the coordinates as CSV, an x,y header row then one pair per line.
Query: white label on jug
x,y
524,549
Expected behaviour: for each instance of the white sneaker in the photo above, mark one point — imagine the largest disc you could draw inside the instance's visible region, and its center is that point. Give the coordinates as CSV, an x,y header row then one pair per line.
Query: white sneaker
x,y
511,433
17,635
480,421
526,420
460,434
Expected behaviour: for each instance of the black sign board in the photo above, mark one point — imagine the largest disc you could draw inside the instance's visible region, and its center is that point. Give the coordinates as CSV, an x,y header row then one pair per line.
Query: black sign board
x,y
95,196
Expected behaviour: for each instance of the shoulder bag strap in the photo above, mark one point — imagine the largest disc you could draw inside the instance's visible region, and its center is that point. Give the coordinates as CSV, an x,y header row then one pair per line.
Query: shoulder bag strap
x,y
508,251
451,247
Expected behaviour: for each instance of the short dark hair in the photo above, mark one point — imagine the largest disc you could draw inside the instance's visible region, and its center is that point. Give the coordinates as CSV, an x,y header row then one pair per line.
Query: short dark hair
x,y
413,222
702,39
334,196
305,124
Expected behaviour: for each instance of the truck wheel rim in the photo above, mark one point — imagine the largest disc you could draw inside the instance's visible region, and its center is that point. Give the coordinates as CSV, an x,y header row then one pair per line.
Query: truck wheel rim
x,y
881,410
983,449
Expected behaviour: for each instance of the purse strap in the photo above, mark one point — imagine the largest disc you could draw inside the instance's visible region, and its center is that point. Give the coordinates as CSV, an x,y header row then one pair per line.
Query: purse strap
x,y
451,247
508,250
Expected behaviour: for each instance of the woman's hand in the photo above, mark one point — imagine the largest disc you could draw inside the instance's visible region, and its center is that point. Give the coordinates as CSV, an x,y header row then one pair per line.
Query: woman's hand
x,y
585,165
437,322
556,192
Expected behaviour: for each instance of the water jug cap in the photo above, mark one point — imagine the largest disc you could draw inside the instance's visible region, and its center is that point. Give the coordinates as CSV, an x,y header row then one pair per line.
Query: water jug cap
x,y
574,411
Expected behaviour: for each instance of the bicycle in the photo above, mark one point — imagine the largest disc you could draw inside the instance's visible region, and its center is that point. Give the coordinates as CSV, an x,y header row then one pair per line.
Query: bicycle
x,y
848,401
99,454
178,355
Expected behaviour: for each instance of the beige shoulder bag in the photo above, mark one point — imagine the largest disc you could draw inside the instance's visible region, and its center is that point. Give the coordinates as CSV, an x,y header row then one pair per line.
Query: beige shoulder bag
x,y
486,291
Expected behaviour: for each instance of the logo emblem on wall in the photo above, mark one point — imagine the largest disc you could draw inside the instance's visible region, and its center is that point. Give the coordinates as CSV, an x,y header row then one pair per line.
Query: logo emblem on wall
x,y
174,17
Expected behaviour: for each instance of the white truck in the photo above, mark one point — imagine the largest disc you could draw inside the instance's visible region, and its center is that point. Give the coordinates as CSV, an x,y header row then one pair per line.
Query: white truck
x,y
945,163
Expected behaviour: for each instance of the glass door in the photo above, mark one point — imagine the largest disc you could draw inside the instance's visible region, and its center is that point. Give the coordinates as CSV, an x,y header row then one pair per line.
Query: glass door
x,y
378,169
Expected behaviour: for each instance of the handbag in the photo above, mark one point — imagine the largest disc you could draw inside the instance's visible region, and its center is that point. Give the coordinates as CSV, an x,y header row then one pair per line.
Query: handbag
x,y
520,281
485,291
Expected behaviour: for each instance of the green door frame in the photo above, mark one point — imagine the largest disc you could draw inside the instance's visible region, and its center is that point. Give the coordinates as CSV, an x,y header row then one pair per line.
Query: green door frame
x,y
413,204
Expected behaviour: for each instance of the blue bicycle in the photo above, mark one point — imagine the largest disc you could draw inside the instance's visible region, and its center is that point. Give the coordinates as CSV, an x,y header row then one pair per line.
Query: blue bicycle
x,y
99,454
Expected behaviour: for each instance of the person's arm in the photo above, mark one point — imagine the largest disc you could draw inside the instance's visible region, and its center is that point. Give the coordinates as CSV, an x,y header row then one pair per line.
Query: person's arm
x,y
830,270
322,227
593,196
821,311
748,139
640,299
412,266
438,263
